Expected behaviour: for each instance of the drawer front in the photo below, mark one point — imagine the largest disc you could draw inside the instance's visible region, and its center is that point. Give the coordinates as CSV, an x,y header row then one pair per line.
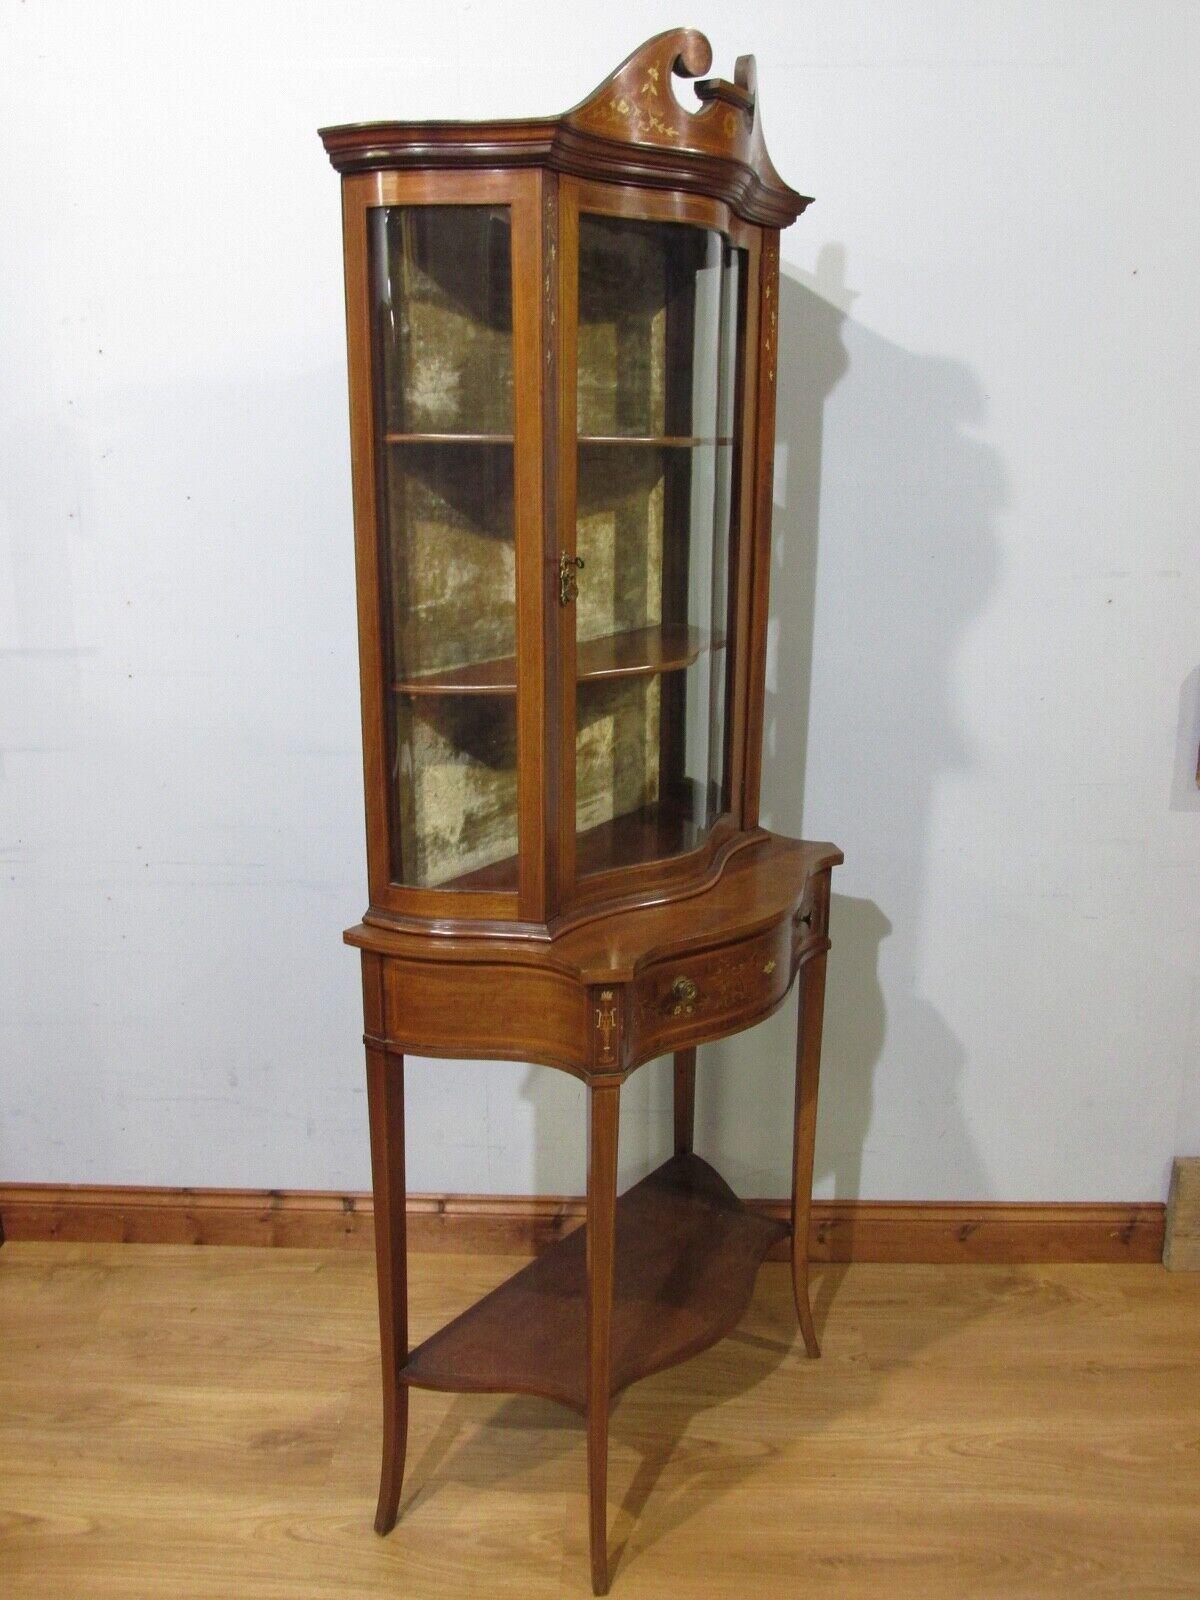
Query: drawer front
x,y
704,996
485,1011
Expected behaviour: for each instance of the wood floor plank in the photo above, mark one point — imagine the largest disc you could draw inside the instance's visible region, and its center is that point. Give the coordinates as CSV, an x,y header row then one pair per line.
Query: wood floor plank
x,y
205,1423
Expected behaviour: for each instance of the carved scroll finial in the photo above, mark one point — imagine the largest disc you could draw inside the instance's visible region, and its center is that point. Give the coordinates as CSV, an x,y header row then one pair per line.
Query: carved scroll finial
x,y
636,101
694,55
631,130
636,104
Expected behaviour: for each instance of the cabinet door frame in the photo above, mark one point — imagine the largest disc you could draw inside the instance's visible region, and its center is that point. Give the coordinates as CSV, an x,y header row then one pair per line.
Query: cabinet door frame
x,y
521,192
649,879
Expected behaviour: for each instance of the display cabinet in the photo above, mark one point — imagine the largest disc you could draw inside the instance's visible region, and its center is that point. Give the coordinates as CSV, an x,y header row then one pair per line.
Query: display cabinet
x,y
562,339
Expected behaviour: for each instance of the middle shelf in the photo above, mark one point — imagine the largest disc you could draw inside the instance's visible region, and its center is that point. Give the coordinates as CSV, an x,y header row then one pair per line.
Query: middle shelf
x,y
641,652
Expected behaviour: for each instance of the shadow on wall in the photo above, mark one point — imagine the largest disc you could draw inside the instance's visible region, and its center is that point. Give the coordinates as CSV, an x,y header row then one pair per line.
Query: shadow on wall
x,y
1185,779
876,464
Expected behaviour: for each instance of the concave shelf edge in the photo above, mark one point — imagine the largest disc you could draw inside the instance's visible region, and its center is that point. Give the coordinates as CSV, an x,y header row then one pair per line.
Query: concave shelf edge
x,y
640,652
666,441
448,438
687,1255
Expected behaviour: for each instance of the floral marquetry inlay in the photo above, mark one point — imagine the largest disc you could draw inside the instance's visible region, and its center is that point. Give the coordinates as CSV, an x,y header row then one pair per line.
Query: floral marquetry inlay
x,y
630,129
638,113
638,105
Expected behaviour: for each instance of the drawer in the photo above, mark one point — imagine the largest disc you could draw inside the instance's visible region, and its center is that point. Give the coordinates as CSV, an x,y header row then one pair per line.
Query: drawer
x,y
693,997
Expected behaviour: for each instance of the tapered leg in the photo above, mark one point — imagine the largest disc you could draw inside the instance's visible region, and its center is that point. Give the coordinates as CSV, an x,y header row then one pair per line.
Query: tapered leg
x,y
685,1100
808,1071
385,1101
603,1110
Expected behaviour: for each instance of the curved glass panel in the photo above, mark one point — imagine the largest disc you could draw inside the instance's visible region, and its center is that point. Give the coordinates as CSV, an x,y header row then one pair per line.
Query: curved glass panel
x,y
660,316
443,363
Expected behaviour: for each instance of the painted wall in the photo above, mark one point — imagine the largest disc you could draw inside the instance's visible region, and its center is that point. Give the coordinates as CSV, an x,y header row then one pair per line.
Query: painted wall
x,y
984,676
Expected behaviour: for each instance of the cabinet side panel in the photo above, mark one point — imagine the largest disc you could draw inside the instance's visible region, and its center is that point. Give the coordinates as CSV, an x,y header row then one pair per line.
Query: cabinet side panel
x,y
551,610
528,332
357,195
741,664
567,493
764,468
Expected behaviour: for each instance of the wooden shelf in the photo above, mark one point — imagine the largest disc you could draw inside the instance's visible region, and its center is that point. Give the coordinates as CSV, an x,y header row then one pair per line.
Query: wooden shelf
x,y
448,438
687,1254
641,652
474,677
652,833
668,441
665,441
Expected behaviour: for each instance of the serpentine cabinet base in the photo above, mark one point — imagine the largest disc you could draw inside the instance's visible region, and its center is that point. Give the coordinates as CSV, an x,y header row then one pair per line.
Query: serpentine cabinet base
x,y
663,1272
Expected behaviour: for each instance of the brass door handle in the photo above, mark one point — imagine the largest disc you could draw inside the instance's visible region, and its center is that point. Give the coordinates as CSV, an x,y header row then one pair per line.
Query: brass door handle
x,y
568,585
684,993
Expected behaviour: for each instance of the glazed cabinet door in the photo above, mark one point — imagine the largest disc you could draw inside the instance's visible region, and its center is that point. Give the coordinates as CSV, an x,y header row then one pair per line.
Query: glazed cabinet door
x,y
656,421
446,433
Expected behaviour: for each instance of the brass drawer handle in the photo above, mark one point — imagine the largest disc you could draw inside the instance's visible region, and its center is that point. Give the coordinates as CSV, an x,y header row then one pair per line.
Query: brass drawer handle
x,y
684,993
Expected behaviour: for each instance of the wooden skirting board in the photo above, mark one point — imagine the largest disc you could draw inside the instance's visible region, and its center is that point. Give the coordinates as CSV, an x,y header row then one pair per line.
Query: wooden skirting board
x,y
842,1230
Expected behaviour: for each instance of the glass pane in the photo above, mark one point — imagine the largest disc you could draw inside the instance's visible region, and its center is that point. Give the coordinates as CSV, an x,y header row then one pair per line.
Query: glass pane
x,y
660,314
442,297
456,789
445,318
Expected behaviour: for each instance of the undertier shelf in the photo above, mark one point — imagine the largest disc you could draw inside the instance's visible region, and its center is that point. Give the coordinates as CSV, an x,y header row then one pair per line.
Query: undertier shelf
x,y
687,1254
640,652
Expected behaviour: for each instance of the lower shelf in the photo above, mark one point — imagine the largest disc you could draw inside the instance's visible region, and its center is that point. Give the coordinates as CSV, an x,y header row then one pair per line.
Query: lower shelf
x,y
687,1254
651,833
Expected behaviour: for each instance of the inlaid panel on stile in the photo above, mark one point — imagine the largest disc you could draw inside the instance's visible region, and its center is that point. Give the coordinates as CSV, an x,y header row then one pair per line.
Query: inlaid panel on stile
x,y
561,342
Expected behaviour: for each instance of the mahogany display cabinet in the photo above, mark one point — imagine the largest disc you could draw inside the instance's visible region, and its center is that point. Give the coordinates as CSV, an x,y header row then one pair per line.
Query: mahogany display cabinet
x,y
562,364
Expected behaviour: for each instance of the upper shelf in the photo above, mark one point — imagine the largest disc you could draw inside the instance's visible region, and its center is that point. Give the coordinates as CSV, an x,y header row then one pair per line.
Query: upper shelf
x,y
641,652
666,441
662,441
448,438
631,129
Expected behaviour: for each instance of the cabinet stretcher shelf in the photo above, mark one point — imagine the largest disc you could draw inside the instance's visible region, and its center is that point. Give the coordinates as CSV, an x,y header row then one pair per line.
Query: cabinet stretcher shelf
x,y
641,652
687,1254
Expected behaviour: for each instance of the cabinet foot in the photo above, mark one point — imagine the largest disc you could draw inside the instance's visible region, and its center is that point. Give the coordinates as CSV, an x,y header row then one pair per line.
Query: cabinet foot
x,y
803,1305
385,1103
391,1476
808,1068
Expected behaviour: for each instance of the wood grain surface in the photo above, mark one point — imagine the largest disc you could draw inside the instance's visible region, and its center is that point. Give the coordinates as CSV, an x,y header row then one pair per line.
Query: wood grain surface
x,y
687,1252
522,1224
202,1423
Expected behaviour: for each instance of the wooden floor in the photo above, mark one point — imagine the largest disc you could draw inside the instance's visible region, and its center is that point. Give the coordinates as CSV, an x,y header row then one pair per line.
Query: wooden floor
x,y
203,1422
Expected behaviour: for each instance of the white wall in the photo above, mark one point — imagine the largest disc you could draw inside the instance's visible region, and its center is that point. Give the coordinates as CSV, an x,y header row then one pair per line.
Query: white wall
x,y
989,409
